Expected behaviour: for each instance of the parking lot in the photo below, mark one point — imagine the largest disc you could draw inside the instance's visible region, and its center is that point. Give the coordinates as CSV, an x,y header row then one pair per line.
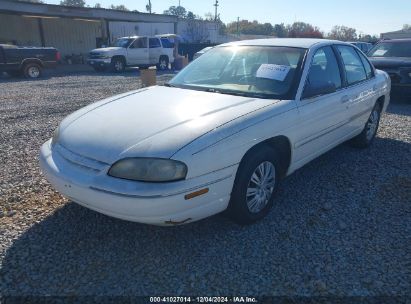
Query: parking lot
x,y
340,225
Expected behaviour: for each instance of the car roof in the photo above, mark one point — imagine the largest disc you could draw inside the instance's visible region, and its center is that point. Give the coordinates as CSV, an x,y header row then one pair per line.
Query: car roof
x,y
290,42
396,40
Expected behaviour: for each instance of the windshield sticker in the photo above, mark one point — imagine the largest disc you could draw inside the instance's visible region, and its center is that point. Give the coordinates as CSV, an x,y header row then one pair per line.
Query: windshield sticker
x,y
380,52
273,71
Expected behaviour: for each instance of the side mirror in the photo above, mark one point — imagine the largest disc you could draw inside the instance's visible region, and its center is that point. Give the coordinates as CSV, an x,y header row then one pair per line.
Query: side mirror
x,y
311,90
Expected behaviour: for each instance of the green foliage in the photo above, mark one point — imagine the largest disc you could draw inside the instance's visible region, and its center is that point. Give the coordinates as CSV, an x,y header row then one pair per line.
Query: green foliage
x,y
77,3
178,11
250,28
120,7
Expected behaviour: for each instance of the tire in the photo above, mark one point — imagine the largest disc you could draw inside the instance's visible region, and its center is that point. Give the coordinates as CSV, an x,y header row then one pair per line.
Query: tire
x,y
366,137
118,65
32,70
163,63
246,205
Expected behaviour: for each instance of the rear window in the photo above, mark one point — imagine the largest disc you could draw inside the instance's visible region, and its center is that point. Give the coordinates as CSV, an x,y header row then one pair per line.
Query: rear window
x,y
167,43
391,49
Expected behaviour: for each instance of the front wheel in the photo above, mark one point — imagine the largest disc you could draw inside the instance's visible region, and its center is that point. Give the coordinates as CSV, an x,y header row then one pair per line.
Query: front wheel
x,y
118,65
255,185
366,137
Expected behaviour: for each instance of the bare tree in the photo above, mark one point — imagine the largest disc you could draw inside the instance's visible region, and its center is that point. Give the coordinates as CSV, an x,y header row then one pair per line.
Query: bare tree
x,y
343,33
197,30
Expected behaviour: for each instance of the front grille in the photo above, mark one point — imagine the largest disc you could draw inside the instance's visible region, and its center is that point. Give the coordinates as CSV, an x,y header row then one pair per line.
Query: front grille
x,y
78,160
95,56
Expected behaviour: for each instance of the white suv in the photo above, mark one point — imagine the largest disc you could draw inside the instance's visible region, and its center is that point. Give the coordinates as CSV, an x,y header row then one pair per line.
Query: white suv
x,y
141,51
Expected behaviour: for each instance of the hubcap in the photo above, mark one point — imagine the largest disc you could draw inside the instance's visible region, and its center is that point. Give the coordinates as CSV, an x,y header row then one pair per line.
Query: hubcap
x,y
163,64
118,65
260,187
372,124
33,72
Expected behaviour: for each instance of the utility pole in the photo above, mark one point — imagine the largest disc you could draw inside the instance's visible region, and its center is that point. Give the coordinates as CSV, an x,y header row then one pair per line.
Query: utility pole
x,y
216,8
238,26
148,6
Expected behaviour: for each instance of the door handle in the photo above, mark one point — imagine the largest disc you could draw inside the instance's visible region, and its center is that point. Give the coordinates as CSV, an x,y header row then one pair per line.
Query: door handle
x,y
345,99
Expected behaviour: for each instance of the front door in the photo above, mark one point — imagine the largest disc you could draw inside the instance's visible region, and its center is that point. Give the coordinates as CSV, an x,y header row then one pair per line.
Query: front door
x,y
137,52
323,115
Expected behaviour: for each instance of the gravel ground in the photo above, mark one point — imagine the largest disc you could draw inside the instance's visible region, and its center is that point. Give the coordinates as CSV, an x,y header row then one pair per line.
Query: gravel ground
x,y
341,225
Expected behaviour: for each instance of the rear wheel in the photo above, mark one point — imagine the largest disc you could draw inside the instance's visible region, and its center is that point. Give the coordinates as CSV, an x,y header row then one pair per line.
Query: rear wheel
x,y
32,70
366,137
163,63
255,185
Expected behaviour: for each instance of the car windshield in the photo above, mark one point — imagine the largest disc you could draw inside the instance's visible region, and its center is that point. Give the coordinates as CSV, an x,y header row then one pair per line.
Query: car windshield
x,y
391,49
259,71
122,42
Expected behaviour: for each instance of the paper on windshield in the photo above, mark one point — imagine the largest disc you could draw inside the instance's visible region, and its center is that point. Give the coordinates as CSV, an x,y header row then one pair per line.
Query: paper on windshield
x,y
273,71
380,52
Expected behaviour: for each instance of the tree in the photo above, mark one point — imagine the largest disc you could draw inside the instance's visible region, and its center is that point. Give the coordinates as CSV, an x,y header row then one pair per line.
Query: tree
x,y
250,28
78,3
407,27
191,16
343,33
303,30
120,7
178,11
279,30
197,30
97,5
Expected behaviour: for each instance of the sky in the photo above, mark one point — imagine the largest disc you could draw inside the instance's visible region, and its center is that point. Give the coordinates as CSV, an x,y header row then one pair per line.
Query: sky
x,y
367,16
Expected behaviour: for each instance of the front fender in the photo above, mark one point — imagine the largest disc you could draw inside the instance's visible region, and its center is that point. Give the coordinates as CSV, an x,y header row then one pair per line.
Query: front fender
x,y
226,145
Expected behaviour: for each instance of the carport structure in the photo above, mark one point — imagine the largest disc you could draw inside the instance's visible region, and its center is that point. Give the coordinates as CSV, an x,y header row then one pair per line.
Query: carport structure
x,y
74,30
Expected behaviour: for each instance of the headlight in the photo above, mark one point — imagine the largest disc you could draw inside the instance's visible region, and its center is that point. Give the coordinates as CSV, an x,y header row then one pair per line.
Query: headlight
x,y
149,169
55,137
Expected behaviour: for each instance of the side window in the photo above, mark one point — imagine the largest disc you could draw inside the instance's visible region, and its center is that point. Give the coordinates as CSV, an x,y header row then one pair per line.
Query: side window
x,y
367,66
139,43
324,74
154,43
353,65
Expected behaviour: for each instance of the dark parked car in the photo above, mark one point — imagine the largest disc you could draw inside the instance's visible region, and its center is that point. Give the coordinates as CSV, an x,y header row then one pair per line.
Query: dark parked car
x,y
27,61
394,57
363,46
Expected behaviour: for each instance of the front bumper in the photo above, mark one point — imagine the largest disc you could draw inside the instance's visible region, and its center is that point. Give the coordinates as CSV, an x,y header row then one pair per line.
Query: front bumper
x,y
157,204
102,63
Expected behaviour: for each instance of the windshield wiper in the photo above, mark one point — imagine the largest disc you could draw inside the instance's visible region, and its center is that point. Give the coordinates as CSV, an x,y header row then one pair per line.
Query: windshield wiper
x,y
238,93
167,84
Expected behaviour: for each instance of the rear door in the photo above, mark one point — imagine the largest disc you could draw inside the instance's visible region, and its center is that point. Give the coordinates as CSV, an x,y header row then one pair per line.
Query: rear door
x,y
154,50
359,92
323,117
137,52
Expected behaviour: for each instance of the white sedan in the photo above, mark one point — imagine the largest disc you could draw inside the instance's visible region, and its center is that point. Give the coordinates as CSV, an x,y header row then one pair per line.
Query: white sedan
x,y
220,135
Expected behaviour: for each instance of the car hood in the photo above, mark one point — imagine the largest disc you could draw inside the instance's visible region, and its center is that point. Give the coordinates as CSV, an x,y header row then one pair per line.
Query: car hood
x,y
390,62
152,122
107,49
